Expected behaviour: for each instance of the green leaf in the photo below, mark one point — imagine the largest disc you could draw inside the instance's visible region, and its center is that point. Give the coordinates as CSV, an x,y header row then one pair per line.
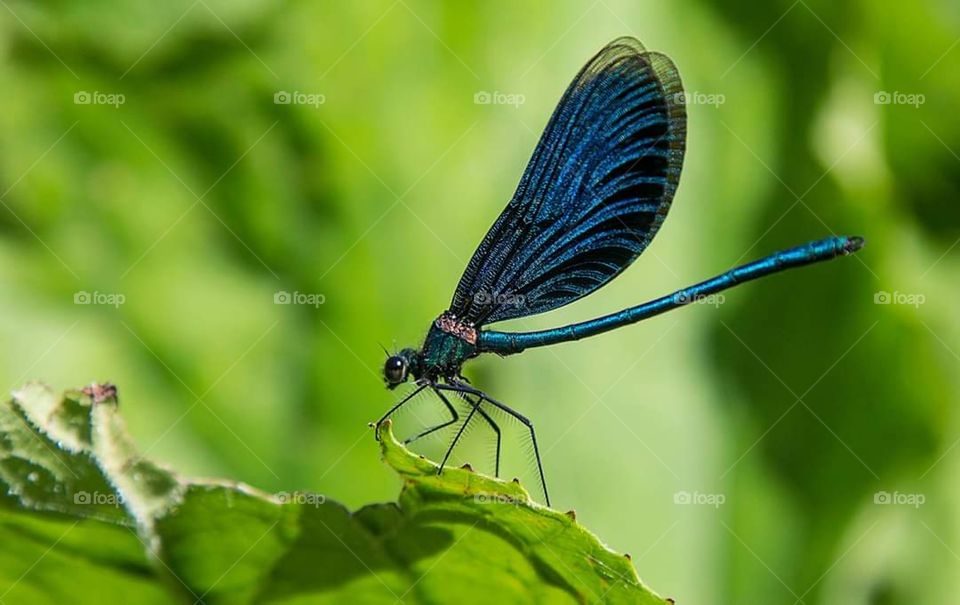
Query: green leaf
x,y
85,518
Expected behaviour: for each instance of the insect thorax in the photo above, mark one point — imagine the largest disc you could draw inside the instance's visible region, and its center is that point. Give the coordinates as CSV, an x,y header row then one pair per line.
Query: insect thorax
x,y
449,343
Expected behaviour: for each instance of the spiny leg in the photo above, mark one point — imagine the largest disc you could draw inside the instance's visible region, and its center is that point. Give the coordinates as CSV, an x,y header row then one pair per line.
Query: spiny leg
x,y
396,407
496,429
453,444
533,437
488,419
453,419
463,388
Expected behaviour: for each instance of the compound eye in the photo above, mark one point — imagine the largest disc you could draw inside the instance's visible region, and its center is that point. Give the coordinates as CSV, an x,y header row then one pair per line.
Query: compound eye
x,y
395,369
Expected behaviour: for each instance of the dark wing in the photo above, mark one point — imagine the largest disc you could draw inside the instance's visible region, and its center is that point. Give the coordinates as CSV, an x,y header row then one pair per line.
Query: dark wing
x,y
596,190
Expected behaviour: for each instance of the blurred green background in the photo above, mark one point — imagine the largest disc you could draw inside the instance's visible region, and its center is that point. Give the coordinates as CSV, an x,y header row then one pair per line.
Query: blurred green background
x,y
795,444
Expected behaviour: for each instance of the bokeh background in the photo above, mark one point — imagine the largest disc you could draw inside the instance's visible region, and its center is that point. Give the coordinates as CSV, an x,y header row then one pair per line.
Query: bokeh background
x,y
795,442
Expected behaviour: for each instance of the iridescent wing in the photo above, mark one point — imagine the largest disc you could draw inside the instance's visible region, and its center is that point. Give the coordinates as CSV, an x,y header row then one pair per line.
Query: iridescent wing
x,y
594,194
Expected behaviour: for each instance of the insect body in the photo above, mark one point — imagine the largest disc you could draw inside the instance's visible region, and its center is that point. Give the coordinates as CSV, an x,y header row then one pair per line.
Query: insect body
x,y
597,188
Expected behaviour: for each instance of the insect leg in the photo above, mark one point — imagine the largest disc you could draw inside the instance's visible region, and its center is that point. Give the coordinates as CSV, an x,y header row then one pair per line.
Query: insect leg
x,y
463,388
496,429
397,407
453,419
453,444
